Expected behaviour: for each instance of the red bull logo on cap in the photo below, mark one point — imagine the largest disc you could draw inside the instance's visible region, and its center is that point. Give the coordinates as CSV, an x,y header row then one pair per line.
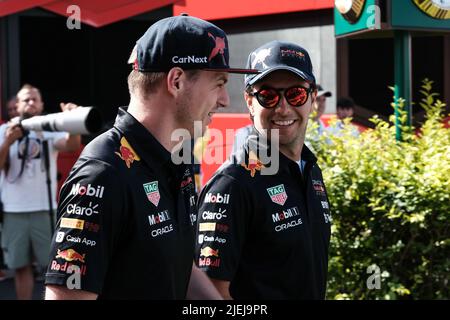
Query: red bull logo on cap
x,y
126,153
219,47
70,255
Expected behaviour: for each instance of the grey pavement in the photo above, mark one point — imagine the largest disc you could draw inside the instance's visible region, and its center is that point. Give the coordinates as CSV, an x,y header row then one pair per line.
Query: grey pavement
x,y
8,291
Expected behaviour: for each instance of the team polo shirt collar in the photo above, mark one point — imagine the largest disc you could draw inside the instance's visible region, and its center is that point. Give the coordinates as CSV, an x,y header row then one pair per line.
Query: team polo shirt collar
x,y
286,164
290,166
142,141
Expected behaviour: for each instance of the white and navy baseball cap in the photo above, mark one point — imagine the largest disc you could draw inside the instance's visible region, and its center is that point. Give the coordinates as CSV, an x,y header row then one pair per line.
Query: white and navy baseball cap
x,y
322,92
278,55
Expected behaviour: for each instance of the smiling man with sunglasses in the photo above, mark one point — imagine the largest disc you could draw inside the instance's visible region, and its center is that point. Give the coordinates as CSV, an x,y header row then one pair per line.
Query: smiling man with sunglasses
x,y
266,236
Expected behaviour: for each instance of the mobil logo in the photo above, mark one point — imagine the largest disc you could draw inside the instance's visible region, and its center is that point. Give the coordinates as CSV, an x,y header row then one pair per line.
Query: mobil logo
x,y
89,190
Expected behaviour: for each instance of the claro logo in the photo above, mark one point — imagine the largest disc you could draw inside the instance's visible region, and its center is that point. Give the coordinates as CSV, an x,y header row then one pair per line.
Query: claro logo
x,y
73,208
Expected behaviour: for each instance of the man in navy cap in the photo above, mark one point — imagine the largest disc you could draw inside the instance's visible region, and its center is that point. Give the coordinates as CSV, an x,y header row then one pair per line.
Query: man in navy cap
x,y
265,235
127,212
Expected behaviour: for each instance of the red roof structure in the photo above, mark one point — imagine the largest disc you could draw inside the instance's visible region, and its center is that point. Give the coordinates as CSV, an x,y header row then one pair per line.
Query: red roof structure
x,y
98,13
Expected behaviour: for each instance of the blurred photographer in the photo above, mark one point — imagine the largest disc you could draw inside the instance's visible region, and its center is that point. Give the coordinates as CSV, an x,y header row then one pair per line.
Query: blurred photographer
x,y
26,231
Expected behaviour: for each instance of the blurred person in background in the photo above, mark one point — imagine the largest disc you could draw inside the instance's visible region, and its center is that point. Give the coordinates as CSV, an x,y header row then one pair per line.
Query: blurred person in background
x,y
26,230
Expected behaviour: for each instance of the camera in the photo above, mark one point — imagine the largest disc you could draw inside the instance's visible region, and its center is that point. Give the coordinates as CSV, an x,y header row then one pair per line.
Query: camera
x,y
81,120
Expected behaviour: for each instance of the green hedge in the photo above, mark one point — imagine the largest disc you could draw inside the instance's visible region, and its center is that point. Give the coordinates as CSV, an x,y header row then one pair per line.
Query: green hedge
x,y
391,208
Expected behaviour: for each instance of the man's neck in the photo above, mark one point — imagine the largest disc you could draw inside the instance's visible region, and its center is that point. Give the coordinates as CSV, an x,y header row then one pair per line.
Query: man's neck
x,y
292,153
156,119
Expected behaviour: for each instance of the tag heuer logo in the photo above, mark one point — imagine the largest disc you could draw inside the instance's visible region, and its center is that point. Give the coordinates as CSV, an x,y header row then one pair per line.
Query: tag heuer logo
x,y
152,191
278,194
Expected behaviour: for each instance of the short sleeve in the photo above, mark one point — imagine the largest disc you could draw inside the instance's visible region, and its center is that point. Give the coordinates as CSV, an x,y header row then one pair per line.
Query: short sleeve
x,y
56,136
223,217
3,128
90,219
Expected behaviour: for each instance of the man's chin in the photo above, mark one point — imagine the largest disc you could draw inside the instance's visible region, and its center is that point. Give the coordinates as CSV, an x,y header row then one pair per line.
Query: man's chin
x,y
27,115
289,140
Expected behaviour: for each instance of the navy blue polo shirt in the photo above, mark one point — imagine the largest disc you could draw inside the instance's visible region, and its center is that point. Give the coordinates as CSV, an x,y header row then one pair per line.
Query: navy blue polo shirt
x,y
267,234
125,219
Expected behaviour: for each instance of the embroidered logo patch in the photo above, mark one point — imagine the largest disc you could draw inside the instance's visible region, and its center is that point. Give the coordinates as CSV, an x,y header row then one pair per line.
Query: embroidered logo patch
x,y
254,164
152,191
277,194
126,153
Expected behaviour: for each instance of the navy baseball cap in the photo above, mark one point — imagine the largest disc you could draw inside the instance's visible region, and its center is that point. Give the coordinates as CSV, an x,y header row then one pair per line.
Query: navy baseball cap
x,y
278,55
183,41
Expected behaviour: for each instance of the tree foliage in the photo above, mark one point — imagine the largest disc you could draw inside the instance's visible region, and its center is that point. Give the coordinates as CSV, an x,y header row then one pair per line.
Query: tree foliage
x,y
391,207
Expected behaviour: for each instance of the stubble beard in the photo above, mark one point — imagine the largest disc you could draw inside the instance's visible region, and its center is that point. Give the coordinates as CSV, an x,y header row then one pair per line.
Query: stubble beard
x,y
183,114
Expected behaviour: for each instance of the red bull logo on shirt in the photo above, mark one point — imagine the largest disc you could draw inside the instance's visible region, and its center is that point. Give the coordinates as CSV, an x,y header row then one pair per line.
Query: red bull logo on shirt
x,y
278,194
126,153
70,255
209,252
152,191
254,164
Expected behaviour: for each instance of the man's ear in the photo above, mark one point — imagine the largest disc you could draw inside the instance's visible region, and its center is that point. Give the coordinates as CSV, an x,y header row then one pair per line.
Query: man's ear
x,y
314,96
175,81
249,101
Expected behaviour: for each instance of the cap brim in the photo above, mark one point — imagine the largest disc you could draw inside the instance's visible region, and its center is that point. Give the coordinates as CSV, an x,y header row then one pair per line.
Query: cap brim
x,y
297,72
324,93
234,70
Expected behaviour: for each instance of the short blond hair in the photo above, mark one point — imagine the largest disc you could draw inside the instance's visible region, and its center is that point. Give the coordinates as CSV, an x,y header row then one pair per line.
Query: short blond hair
x,y
146,83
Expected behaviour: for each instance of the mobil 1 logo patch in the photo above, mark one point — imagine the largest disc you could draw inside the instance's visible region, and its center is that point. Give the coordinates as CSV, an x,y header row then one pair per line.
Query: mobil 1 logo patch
x,y
277,194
